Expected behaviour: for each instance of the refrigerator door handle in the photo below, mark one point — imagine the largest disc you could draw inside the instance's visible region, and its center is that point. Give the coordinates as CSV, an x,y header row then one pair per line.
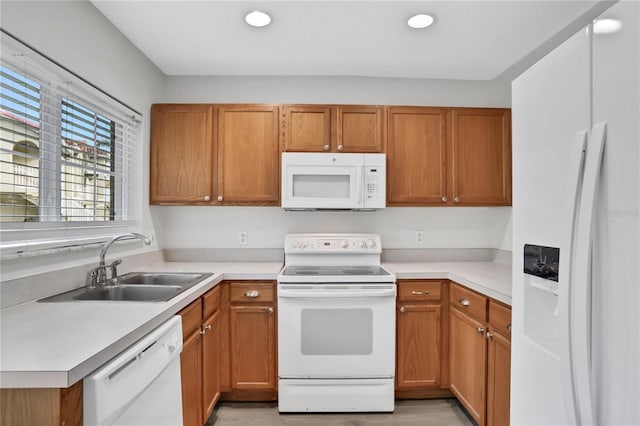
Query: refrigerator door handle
x,y
576,174
580,320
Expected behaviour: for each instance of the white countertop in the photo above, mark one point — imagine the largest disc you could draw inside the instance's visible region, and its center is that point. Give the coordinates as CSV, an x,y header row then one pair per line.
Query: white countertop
x,y
54,345
489,278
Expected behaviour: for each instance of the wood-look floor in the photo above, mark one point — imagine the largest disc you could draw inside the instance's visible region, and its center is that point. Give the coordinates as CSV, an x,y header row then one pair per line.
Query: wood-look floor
x,y
433,412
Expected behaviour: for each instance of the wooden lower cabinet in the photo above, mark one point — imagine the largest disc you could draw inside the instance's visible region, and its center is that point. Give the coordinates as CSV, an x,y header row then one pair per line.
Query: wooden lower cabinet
x,y
210,364
200,358
467,362
420,329
498,380
252,335
499,364
42,407
252,348
191,373
480,355
419,347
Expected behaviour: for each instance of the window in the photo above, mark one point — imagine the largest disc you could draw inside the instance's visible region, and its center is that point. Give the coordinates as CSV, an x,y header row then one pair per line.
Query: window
x,y
68,152
19,147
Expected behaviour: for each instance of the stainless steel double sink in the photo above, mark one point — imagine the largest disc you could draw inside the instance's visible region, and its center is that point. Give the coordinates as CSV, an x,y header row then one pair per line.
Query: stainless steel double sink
x,y
135,287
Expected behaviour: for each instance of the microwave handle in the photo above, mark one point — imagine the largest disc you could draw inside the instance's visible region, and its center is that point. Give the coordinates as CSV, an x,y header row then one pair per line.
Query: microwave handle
x,y
360,186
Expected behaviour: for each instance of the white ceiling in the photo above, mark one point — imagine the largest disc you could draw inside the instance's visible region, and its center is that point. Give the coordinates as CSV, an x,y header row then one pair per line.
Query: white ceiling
x,y
471,40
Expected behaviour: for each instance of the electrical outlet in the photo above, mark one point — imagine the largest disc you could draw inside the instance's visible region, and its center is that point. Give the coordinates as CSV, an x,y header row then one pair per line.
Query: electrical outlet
x,y
243,237
419,237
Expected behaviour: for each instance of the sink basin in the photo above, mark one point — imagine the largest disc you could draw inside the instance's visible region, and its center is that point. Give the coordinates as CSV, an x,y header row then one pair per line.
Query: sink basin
x,y
160,278
134,287
147,293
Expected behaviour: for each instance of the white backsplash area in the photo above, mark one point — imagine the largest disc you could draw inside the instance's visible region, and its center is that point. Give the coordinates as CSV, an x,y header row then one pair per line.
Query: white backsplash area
x,y
443,227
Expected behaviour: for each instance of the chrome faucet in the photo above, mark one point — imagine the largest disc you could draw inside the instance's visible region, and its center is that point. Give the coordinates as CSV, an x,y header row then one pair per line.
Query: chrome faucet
x,y
98,276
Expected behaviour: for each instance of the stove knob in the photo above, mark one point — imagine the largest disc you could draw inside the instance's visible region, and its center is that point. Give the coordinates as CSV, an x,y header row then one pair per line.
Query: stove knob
x,y
345,244
363,244
371,244
303,245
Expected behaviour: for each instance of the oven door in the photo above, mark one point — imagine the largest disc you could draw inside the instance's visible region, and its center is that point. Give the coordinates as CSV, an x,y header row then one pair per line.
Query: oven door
x,y
336,330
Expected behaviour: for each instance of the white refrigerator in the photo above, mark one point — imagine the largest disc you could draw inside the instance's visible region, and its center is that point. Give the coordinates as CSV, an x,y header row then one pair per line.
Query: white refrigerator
x,y
576,231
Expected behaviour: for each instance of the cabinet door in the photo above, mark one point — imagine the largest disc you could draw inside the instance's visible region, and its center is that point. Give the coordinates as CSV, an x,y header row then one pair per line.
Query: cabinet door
x,y
253,348
417,156
481,156
419,347
467,363
359,129
498,380
248,155
182,163
210,364
191,375
306,128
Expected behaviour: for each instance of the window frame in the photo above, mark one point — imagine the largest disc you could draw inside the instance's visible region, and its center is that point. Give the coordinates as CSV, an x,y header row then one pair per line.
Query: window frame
x,y
51,233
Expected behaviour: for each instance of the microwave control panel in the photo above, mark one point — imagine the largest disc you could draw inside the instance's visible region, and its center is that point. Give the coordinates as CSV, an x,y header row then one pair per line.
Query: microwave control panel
x,y
375,181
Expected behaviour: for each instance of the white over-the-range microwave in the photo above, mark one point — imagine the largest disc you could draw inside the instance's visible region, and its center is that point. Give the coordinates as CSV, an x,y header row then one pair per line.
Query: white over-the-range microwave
x,y
333,181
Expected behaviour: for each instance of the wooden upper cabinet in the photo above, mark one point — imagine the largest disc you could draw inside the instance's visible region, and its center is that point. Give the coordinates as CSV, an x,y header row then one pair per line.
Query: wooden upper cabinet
x,y
325,128
417,156
182,162
359,129
481,156
306,128
248,155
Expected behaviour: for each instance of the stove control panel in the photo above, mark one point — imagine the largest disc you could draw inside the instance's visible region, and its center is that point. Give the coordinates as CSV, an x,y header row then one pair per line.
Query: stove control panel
x,y
333,243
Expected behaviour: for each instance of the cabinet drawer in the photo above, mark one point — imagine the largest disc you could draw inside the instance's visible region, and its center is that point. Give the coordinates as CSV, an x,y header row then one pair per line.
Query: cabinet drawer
x,y
469,302
211,301
417,291
500,318
252,292
191,318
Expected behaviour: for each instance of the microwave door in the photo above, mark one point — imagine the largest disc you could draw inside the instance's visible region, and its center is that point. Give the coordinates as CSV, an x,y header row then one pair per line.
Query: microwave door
x,y
321,187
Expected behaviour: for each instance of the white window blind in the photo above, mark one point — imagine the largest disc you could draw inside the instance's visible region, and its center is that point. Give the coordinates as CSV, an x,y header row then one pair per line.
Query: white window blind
x,y
68,156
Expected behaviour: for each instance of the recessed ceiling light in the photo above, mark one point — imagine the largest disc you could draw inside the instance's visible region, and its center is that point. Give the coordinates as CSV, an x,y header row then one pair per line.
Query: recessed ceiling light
x,y
257,19
606,26
421,20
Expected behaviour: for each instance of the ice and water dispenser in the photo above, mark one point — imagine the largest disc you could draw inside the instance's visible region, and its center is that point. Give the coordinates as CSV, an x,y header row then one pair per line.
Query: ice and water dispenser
x,y
542,325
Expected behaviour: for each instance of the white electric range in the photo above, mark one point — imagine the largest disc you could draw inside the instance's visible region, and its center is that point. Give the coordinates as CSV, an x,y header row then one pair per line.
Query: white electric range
x,y
336,325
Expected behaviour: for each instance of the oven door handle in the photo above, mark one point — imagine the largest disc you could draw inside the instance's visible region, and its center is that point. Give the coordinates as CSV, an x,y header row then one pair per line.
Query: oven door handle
x,y
328,294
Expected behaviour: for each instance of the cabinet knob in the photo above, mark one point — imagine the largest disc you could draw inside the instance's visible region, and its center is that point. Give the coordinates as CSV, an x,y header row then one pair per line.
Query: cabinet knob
x,y
480,330
270,309
205,329
465,302
509,327
402,310
456,199
252,294
207,198
220,198
326,147
339,147
489,335
420,293
444,199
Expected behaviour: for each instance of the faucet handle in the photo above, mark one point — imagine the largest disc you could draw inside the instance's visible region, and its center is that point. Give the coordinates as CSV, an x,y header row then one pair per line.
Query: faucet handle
x,y
92,278
96,276
114,269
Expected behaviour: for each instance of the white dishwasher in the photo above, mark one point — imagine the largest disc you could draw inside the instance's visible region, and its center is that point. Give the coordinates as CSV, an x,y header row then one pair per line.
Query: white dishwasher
x,y
141,386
